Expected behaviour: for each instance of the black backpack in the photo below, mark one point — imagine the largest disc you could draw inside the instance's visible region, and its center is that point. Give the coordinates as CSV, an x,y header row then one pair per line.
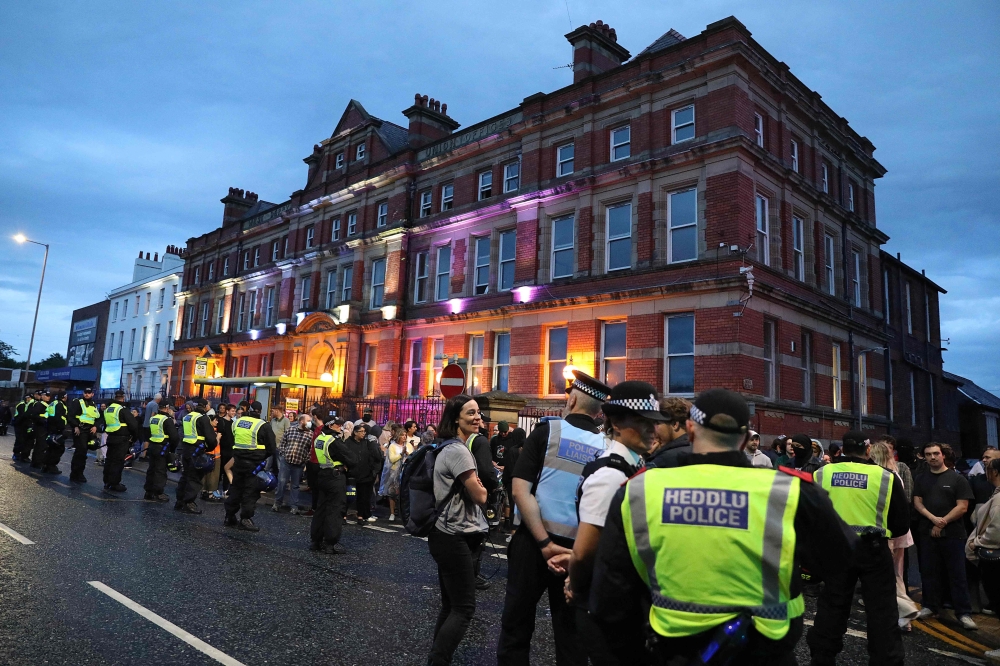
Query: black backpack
x,y
417,506
614,461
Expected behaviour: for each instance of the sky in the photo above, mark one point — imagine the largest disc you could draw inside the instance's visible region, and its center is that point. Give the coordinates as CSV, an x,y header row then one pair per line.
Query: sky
x,y
123,124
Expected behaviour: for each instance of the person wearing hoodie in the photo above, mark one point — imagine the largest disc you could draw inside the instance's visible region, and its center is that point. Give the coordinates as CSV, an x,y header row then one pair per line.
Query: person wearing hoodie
x,y
671,437
802,458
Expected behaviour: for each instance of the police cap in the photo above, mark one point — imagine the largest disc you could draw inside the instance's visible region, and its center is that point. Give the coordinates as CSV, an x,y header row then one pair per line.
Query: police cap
x,y
722,411
586,384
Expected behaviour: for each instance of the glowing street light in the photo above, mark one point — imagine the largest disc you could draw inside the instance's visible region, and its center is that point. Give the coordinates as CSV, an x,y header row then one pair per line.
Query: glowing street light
x,y
22,239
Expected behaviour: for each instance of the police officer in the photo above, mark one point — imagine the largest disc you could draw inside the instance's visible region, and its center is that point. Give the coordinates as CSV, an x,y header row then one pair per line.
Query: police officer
x,y
163,441
198,437
122,429
36,415
871,500
544,484
56,425
331,482
83,415
711,542
23,440
252,444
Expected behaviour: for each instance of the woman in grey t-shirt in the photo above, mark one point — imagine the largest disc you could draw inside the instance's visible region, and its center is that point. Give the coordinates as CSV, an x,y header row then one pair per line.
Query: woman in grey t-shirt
x,y
458,533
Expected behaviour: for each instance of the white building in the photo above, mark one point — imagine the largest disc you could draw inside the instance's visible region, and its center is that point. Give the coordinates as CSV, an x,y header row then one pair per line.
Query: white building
x,y
142,319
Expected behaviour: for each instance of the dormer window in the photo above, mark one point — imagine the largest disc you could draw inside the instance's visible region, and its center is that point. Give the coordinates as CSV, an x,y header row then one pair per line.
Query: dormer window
x,y
339,161
359,152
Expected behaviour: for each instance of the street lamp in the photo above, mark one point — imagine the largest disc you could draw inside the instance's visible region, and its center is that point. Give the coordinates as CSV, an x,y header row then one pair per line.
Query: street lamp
x,y
861,353
22,239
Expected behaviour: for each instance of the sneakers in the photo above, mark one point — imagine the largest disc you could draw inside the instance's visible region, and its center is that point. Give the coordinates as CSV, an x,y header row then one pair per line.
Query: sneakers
x,y
967,622
80,478
372,519
295,511
333,549
217,496
191,507
247,525
992,655
117,488
482,583
154,497
276,508
904,624
924,613
392,517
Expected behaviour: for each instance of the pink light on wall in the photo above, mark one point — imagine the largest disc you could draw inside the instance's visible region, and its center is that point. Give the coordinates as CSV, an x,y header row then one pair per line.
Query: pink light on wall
x,y
524,294
456,305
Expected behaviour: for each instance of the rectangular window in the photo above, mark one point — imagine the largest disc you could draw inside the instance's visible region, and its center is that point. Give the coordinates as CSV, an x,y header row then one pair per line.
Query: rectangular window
x,y
680,354
485,185
225,267
447,196
558,340
359,152
416,354
885,295
284,244
799,249
263,366
143,356
475,364
170,337
197,280
246,260
824,178
252,310
346,284
763,241
304,295
482,267
501,362
111,346
992,439
856,277
758,129
621,143
683,123
828,250
149,301
211,271
331,288
770,359
121,340
352,223
863,384
219,312
562,247
425,203
913,400
162,298
512,177
244,366
442,285
203,329
909,311
795,156
619,235
927,315
378,283
420,279
241,313
437,363
274,250
807,371
850,197
508,242
613,353
269,308
836,376
371,365
256,257
683,213
564,160
190,330
310,236
115,317
335,233
383,214
339,161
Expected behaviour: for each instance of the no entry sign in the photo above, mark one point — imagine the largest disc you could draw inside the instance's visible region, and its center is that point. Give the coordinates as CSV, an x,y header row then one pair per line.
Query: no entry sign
x,y
452,380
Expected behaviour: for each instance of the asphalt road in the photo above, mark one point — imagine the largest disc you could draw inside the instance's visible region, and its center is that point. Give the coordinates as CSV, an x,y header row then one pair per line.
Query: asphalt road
x,y
116,580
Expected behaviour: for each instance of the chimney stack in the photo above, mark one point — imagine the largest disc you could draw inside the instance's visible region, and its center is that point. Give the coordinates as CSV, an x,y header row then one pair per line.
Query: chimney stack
x,y
595,50
156,256
429,121
237,203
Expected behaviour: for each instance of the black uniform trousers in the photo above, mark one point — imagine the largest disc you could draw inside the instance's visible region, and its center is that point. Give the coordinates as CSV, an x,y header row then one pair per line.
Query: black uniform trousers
x,y
191,477
363,498
56,447
79,462
156,472
330,491
23,440
528,577
114,458
872,565
41,443
243,491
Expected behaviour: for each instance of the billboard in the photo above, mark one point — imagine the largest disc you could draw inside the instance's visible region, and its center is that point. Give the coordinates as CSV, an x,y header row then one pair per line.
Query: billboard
x,y
84,331
111,374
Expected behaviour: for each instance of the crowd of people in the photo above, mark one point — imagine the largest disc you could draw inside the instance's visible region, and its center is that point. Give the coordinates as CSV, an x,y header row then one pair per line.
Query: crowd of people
x,y
649,522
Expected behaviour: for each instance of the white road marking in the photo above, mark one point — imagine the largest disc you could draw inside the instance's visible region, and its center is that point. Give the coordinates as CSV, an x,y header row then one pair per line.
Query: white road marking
x,y
170,627
960,657
15,536
850,632
380,529
500,555
416,537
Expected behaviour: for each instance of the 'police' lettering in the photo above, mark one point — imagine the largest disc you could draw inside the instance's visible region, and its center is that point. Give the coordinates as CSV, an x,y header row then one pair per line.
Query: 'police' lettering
x,y
704,507
577,451
244,424
849,480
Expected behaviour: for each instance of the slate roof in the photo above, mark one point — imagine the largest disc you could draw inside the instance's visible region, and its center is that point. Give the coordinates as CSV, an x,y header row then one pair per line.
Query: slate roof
x,y
258,208
973,392
395,138
666,40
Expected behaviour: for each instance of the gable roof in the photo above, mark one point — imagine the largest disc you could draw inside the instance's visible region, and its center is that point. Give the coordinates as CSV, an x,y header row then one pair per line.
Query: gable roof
x,y
666,40
975,393
394,137
354,108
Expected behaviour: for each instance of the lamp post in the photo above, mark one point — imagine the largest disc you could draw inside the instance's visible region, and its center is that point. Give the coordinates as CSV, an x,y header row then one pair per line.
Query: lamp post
x,y
861,353
21,238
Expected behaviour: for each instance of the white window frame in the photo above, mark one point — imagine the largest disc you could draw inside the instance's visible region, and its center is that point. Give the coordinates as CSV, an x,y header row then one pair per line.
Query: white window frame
x,y
799,248
310,236
836,376
352,223
758,129
991,431
346,284
197,280
339,160
807,368
420,277
508,241
850,196
383,214
274,250
476,369
667,355
549,361
335,232
444,274
246,260
447,196
604,355
241,316
485,189
225,267
763,237
256,257
269,307
211,271
115,318
824,178
829,247
863,383
416,352
305,292
220,306
856,277
511,176
671,228
331,287
437,364
497,364
359,152
378,284
481,266
202,327
626,144
770,359
556,249
371,368
252,310
795,156
674,126
609,239
564,165
425,203
111,346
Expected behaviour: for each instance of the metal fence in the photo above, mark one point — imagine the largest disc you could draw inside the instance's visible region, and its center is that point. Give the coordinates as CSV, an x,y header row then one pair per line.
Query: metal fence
x,y
529,416
384,410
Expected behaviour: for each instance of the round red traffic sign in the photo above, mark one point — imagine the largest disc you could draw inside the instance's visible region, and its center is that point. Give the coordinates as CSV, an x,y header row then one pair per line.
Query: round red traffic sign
x,y
452,380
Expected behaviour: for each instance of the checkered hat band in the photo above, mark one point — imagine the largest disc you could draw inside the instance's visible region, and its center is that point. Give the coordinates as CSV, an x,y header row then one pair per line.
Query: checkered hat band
x,y
589,390
697,415
637,404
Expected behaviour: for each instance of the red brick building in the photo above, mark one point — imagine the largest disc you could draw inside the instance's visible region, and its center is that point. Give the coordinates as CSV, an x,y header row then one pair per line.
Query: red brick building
x,y
693,216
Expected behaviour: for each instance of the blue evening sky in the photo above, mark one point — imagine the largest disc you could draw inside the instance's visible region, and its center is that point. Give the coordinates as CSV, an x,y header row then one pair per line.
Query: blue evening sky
x,y
124,123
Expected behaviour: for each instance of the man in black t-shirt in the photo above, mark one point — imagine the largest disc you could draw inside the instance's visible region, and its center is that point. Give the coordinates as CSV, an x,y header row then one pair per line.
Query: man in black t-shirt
x,y
941,496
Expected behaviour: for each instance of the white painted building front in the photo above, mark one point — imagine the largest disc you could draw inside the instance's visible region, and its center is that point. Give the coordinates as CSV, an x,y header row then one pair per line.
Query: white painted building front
x,y
142,320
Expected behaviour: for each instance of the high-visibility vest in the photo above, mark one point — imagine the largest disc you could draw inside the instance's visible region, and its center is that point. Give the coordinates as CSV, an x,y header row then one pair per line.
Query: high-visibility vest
x,y
713,542
112,422
50,412
156,433
245,431
322,447
88,413
860,493
568,450
190,425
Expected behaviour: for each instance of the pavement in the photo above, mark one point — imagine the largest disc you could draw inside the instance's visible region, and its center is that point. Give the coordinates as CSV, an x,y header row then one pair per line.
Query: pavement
x,y
91,578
